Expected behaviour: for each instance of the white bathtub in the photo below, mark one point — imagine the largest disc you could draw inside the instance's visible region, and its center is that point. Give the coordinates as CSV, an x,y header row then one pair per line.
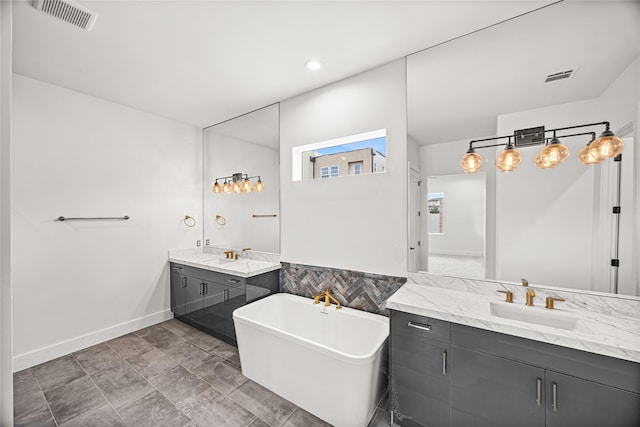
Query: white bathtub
x,y
324,360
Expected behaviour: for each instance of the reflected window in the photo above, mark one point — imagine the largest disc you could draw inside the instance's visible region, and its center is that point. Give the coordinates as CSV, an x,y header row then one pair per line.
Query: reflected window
x,y
352,155
436,213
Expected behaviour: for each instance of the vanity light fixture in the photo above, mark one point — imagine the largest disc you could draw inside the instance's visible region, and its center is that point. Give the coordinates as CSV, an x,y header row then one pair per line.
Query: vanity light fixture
x,y
554,152
238,183
509,159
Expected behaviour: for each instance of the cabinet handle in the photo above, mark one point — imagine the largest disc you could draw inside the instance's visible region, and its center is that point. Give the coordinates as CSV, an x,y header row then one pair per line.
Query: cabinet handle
x,y
202,288
420,326
225,294
206,288
539,391
176,268
554,397
234,281
444,362
184,282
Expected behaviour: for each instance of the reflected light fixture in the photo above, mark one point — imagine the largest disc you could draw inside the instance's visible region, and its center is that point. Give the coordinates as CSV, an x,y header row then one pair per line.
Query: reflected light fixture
x,y
585,156
554,152
509,159
472,161
238,183
607,145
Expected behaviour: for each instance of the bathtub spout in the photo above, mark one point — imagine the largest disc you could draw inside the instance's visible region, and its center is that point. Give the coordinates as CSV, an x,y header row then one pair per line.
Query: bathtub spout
x,y
327,299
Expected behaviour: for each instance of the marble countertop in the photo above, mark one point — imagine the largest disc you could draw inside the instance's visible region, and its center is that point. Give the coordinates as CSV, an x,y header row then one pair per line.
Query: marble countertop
x,y
246,266
607,334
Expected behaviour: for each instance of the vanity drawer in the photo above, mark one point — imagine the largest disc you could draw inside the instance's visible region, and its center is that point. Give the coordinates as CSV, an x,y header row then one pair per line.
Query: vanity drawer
x,y
420,326
234,281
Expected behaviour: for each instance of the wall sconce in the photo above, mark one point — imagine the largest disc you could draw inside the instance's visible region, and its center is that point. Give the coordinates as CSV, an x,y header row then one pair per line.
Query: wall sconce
x,y
554,152
238,183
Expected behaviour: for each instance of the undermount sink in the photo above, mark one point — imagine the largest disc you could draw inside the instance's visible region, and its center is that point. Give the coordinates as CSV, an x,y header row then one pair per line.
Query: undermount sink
x,y
537,315
222,261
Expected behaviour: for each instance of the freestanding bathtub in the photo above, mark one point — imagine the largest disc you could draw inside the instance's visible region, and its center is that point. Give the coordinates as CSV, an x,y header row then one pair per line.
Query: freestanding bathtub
x,y
328,362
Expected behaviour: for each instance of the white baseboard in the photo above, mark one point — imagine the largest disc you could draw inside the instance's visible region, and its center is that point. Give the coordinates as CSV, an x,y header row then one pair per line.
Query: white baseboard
x,y
41,355
456,253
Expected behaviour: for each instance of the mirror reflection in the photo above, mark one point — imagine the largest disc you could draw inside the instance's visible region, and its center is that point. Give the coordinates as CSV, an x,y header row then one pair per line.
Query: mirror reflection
x,y
359,154
553,225
241,182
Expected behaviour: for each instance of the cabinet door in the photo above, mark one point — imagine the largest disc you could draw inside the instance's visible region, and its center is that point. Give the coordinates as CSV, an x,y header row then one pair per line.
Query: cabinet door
x,y
576,402
491,391
193,298
214,296
178,290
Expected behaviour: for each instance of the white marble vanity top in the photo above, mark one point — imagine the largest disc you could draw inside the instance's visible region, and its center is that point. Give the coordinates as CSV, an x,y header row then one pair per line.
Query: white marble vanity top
x,y
248,265
597,332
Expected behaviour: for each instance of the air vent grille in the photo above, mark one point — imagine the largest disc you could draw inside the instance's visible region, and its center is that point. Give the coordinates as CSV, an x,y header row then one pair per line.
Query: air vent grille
x,y
559,76
69,12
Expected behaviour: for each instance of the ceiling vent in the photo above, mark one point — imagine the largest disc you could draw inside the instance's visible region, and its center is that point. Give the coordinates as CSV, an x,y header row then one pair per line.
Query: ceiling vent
x,y
562,75
68,11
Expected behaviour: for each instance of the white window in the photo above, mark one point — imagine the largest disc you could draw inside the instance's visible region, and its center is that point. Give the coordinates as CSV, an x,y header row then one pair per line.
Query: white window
x,y
329,171
357,168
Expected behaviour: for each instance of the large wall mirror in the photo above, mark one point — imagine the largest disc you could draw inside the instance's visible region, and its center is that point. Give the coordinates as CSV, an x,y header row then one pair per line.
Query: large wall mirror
x,y
552,226
241,196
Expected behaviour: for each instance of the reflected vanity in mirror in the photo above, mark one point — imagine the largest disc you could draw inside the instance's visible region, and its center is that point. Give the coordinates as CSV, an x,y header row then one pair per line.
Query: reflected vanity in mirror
x,y
241,182
556,226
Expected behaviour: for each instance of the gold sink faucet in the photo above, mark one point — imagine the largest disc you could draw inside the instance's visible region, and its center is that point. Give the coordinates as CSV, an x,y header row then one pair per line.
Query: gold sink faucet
x,y
327,299
229,254
530,296
550,301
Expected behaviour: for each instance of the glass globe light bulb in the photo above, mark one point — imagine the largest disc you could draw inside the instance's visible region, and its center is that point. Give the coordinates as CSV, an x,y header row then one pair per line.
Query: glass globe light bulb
x,y
226,188
216,187
247,186
471,162
554,153
509,159
259,185
586,157
607,145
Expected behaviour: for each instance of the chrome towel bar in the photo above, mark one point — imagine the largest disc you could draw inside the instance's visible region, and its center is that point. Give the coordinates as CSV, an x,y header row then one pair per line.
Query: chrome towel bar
x,y
62,218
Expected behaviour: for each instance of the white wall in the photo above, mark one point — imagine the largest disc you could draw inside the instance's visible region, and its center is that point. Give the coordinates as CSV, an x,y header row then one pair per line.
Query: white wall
x,y
79,283
6,345
545,217
224,156
356,223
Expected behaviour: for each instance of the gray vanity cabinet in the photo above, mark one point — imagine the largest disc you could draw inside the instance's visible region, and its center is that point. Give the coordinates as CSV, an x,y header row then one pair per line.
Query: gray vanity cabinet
x,y
419,370
494,379
491,391
206,299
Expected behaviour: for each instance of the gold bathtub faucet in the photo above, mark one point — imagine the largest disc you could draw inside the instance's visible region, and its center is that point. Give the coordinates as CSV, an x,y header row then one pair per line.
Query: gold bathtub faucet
x,y
327,299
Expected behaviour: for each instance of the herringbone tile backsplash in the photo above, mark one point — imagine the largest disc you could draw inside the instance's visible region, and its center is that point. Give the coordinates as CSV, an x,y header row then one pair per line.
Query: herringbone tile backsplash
x,y
354,289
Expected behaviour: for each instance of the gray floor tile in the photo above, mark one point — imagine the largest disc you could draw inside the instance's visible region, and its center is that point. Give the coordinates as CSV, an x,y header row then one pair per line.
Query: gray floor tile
x,y
73,399
258,423
262,402
97,358
188,355
103,416
160,337
151,363
28,399
213,409
153,410
202,340
57,372
176,326
38,418
128,345
219,374
179,385
121,385
301,418
227,352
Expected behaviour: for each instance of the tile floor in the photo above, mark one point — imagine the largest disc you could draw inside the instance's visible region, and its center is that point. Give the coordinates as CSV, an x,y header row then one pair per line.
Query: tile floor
x,y
168,374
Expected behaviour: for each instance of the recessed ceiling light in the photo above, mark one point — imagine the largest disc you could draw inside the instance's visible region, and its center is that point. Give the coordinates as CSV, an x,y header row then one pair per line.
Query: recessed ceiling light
x,y
312,65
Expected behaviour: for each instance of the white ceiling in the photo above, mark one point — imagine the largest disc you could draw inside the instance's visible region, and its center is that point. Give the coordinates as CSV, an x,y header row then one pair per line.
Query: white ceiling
x,y
456,90
203,62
